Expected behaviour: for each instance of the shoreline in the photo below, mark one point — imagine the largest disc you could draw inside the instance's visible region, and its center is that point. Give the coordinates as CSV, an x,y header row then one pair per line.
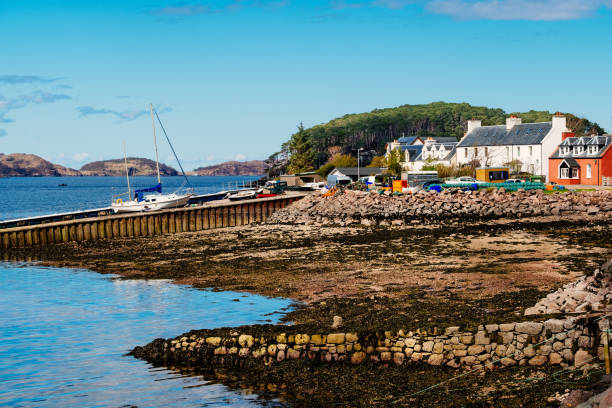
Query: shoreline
x,y
376,278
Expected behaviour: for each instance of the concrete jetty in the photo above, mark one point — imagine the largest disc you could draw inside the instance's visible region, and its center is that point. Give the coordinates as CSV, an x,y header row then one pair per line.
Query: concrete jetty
x,y
171,221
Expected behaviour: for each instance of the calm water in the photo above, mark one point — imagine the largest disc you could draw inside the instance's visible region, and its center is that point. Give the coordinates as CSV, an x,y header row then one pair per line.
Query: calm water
x,y
64,334
29,196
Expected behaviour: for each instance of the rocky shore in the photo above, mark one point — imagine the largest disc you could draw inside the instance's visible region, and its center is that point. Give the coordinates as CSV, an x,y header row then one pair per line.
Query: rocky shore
x,y
349,207
403,285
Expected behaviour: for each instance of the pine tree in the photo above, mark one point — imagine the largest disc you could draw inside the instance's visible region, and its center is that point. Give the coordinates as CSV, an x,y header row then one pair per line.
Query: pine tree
x,y
302,156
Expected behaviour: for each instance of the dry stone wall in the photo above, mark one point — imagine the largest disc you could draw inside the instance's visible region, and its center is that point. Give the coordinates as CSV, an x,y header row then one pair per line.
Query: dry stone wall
x,y
558,342
357,207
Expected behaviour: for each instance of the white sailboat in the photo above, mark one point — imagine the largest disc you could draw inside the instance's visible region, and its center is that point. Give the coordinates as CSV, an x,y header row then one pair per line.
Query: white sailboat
x,y
157,200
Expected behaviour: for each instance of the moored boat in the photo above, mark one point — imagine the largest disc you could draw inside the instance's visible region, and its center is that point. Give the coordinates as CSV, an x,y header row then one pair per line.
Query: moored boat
x,y
157,200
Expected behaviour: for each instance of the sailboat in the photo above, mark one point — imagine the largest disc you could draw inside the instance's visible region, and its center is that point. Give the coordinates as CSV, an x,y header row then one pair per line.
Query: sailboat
x,y
157,200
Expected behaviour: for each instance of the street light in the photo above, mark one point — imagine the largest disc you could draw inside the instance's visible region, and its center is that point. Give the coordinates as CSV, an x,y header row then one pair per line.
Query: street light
x,y
358,159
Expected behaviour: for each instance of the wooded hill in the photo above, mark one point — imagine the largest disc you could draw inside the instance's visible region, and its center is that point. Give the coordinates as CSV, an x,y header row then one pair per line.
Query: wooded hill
x,y
372,130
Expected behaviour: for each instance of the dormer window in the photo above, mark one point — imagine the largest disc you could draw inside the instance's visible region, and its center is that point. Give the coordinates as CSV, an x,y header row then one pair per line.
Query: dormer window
x,y
592,149
578,149
565,151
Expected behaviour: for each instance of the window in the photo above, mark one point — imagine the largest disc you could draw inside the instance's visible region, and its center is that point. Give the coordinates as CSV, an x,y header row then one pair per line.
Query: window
x,y
475,152
531,150
574,173
465,152
564,172
565,151
507,152
588,171
592,149
518,150
578,149
486,151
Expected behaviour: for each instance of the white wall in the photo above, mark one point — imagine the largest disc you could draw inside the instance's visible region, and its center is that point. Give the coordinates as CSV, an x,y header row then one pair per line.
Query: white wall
x,y
498,156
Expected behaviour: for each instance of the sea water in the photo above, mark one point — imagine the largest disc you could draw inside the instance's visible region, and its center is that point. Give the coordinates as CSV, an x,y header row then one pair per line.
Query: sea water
x,y
29,196
64,335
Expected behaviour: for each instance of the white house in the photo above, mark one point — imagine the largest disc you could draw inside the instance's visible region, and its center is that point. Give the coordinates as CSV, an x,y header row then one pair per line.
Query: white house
x,y
528,145
418,152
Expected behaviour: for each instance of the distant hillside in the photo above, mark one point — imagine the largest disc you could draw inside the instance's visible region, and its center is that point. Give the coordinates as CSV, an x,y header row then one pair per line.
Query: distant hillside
x,y
136,167
373,130
22,165
233,168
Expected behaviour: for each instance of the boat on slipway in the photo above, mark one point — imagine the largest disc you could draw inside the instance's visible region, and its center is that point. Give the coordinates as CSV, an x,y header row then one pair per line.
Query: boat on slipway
x,y
157,200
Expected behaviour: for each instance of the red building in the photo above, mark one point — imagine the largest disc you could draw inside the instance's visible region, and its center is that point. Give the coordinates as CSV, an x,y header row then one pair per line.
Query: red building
x,y
582,160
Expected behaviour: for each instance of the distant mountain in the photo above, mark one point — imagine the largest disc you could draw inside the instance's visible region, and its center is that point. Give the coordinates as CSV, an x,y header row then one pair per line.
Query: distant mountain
x,y
22,165
232,168
116,167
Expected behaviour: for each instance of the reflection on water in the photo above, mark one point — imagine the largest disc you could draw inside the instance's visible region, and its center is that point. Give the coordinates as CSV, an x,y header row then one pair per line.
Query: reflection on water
x,y
64,334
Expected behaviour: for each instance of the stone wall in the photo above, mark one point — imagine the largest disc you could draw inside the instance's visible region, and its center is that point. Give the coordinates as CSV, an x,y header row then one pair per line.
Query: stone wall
x,y
357,207
575,341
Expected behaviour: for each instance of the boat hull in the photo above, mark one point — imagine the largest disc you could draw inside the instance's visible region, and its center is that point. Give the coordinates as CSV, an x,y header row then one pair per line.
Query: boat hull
x,y
147,206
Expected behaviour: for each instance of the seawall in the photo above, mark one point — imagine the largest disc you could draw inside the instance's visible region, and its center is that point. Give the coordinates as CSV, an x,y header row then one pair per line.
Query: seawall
x,y
163,222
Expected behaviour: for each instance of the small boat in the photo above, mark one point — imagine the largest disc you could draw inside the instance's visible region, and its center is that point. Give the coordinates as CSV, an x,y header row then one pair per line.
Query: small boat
x,y
157,200
62,185
243,195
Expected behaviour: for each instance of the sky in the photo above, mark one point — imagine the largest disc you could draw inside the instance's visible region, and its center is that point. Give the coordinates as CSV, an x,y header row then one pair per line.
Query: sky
x,y
232,79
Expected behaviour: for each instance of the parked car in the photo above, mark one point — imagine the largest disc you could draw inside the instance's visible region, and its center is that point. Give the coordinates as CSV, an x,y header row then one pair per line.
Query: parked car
x,y
514,181
429,183
465,179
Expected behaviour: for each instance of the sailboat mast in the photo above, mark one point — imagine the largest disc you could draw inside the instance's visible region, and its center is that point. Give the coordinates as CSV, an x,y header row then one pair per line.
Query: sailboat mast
x,y
155,142
127,172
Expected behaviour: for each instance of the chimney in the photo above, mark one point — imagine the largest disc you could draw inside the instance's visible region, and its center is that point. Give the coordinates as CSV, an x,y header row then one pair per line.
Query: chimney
x,y
565,135
558,121
511,121
473,124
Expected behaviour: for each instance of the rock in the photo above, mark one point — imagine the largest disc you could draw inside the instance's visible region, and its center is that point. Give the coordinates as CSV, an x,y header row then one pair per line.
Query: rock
x,y
507,362
245,340
475,350
575,398
506,327
335,338
358,357
428,346
538,360
555,358
280,356
316,339
438,348
581,358
213,341
554,325
220,351
398,358
467,339
351,337
337,322
491,328
532,328
435,359
385,356
481,338
451,330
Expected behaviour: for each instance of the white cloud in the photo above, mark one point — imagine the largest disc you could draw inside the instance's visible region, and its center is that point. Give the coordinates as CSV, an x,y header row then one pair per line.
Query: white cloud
x,y
210,157
80,157
534,10
240,157
127,115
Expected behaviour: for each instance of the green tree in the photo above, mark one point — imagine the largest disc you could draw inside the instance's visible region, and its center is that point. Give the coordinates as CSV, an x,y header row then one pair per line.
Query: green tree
x,y
301,154
378,161
393,162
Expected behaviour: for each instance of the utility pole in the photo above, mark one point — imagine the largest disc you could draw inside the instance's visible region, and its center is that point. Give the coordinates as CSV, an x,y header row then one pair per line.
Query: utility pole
x,y
358,161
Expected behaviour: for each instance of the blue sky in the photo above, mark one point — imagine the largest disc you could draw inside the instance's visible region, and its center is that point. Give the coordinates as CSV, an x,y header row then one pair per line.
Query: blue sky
x,y
233,78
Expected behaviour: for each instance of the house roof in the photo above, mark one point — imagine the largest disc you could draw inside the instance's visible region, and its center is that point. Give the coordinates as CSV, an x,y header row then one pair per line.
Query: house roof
x,y
363,171
521,134
414,152
571,162
407,139
603,143
445,139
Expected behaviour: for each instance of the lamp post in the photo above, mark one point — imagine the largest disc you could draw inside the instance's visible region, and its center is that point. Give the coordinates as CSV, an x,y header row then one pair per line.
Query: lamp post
x,y
358,161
